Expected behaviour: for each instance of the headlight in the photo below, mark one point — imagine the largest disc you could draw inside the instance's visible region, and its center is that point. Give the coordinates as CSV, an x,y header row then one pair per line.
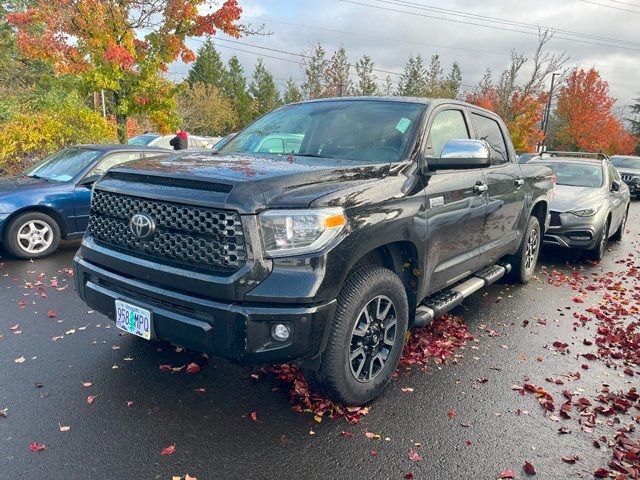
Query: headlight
x,y
294,232
585,212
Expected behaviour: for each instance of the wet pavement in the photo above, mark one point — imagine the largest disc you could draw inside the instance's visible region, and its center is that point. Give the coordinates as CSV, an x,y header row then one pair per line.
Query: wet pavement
x,y
463,419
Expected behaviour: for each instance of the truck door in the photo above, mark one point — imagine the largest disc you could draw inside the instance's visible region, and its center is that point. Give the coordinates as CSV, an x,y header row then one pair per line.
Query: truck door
x,y
456,205
505,192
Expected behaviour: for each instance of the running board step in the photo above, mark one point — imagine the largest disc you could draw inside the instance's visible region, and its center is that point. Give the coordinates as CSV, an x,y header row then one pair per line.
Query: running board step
x,y
446,301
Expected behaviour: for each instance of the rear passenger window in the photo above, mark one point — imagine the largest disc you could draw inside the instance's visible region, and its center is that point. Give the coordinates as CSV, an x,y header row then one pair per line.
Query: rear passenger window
x,y
448,125
489,130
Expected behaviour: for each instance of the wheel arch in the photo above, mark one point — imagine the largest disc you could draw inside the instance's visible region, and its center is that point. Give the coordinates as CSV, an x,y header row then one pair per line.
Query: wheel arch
x,y
52,212
540,210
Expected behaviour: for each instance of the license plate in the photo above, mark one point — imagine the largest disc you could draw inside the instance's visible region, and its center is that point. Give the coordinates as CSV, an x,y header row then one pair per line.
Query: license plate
x,y
133,319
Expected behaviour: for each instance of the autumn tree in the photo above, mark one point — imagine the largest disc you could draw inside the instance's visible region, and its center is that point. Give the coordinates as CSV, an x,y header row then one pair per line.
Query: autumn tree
x,y
121,46
585,116
367,82
208,67
263,90
204,110
292,93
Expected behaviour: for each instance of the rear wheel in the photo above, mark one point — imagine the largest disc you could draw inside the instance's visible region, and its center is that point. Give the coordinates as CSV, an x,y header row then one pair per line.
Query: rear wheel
x,y
597,253
32,235
616,237
524,262
366,338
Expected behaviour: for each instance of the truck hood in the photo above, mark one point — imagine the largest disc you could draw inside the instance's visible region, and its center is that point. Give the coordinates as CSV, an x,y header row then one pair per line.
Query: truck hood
x,y
569,198
250,183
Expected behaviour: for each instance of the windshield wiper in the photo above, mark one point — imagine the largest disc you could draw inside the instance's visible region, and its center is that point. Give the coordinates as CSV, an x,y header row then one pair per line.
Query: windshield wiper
x,y
312,155
38,177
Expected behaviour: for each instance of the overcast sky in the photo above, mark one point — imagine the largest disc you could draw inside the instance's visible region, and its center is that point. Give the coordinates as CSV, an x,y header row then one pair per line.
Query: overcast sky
x,y
389,37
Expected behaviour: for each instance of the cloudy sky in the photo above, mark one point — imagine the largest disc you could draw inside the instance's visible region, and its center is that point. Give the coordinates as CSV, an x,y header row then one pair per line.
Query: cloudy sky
x,y
600,33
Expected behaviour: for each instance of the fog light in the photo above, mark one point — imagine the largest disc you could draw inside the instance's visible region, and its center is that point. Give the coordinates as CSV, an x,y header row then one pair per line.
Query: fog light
x,y
280,332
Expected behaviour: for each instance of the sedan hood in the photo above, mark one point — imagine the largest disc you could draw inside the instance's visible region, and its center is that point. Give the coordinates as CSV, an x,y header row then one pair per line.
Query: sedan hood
x,y
12,184
245,183
569,198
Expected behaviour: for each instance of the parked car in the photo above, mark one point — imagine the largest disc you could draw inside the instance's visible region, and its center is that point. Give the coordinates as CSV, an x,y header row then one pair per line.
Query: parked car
x,y
50,201
392,212
526,157
629,169
591,203
162,141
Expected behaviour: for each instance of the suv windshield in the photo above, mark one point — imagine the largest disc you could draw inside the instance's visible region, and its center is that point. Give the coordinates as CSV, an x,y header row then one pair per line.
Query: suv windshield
x,y
357,130
626,162
64,165
574,174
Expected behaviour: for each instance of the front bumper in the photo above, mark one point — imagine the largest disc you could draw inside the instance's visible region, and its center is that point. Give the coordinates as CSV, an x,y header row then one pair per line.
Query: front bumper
x,y
575,232
238,332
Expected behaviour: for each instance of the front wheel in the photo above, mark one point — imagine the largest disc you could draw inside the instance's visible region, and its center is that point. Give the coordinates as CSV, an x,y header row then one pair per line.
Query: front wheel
x,y
524,262
32,235
366,338
597,253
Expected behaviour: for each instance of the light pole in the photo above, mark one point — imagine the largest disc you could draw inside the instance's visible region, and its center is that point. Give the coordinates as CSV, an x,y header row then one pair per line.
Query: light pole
x,y
545,119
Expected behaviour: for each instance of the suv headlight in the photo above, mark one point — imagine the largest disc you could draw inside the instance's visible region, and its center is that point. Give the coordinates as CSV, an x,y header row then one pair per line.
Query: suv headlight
x,y
295,232
585,212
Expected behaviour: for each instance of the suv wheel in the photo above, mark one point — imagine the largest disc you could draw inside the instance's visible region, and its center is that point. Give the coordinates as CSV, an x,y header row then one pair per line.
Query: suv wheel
x,y
597,253
32,235
524,262
366,338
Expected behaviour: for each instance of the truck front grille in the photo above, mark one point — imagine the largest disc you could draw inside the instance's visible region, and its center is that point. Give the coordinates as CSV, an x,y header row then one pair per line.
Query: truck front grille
x,y
188,235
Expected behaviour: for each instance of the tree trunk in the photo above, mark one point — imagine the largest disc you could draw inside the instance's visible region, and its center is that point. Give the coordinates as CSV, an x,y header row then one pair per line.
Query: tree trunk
x,y
121,119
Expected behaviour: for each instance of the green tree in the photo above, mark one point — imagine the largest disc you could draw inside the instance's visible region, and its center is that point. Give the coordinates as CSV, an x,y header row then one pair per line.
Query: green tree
x,y
337,83
208,67
235,89
387,87
263,90
315,66
413,82
367,81
635,121
204,110
433,79
450,86
292,93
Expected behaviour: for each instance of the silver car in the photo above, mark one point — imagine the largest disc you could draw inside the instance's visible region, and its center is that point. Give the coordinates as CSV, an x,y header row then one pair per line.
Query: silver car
x,y
591,202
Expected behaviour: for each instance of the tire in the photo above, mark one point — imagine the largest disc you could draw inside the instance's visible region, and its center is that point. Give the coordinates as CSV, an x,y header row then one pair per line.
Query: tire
x,y
523,263
616,237
32,226
597,253
368,292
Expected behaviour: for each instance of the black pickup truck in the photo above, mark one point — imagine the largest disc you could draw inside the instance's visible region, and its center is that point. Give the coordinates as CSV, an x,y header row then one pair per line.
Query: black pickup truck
x,y
319,235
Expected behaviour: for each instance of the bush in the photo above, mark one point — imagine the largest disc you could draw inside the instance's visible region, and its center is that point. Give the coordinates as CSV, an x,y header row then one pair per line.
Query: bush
x,y
28,137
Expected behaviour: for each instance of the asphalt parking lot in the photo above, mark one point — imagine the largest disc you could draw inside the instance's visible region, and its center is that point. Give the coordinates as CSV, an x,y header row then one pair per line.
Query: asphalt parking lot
x,y
465,419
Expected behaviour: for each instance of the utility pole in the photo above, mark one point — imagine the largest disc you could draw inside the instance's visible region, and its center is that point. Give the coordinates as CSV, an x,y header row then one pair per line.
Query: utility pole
x,y
547,113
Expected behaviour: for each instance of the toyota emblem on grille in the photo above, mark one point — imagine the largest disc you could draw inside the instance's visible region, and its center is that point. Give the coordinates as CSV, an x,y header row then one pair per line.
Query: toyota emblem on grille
x,y
142,226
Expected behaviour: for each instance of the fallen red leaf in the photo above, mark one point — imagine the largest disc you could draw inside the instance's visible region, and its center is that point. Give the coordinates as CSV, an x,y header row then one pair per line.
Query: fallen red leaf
x,y
168,450
529,469
193,368
37,447
91,398
52,313
507,474
165,368
601,473
253,416
414,456
452,413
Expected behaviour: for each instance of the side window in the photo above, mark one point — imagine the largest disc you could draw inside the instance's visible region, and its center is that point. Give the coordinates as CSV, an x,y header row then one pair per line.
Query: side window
x,y
489,130
448,125
113,160
163,142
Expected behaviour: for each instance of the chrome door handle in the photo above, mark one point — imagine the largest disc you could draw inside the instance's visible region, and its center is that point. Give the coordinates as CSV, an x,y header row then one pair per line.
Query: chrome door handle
x,y
480,188
519,182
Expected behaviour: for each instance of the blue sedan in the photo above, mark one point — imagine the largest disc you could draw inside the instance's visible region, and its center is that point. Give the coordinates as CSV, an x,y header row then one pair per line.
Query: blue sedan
x,y
50,201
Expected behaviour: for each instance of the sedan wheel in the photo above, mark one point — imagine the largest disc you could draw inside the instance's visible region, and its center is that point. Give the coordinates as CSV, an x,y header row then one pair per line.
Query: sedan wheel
x,y
35,237
32,235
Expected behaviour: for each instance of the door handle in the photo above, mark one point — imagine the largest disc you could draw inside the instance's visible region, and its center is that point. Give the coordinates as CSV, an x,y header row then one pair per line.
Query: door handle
x,y
519,182
479,188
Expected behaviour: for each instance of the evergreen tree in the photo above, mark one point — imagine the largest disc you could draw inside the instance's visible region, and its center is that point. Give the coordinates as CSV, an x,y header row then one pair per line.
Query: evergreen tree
x,y
338,83
366,78
635,121
434,78
292,93
263,90
235,89
208,67
315,70
451,85
387,86
413,82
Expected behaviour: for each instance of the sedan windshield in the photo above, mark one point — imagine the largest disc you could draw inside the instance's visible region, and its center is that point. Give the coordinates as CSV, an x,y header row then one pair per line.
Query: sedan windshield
x,y
358,130
64,165
626,162
142,140
574,174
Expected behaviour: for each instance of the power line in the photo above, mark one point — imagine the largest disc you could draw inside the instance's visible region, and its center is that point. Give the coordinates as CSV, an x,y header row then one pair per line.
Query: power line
x,y
481,25
535,27
625,3
610,6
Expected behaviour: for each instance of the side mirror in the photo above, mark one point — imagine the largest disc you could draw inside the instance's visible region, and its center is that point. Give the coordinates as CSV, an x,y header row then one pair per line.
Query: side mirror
x,y
615,186
89,180
462,154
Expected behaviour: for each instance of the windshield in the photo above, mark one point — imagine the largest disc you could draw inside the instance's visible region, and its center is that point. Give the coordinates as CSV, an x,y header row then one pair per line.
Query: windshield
x,y
574,174
142,140
626,162
359,131
64,165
